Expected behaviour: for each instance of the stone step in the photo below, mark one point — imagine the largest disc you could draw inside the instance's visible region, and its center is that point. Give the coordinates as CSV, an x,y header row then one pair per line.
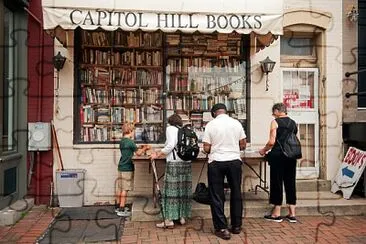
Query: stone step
x,y
256,206
313,185
11,214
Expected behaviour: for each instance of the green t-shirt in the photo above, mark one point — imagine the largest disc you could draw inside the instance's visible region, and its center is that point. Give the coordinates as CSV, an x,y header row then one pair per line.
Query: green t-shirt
x,y
127,148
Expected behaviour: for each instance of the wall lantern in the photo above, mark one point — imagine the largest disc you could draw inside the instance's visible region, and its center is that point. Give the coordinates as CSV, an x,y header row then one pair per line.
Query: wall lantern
x,y
267,67
352,15
58,62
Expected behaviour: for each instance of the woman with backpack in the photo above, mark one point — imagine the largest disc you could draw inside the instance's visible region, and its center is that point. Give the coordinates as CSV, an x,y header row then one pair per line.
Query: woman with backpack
x,y
283,168
177,189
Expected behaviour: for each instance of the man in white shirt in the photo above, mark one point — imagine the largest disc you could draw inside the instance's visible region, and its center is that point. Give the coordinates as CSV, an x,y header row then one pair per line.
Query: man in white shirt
x,y
223,139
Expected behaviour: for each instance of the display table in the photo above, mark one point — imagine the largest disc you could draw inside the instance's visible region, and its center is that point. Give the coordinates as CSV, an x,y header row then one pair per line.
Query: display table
x,y
249,158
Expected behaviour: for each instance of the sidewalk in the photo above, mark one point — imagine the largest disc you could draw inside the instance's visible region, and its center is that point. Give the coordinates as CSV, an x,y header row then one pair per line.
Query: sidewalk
x,y
319,229
344,229
28,229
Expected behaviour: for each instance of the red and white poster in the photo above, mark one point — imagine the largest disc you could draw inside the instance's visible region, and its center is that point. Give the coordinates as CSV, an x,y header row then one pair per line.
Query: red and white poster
x,y
349,172
296,98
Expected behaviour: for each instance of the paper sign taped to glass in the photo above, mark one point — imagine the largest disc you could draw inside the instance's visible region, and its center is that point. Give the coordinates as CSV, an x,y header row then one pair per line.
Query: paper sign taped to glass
x,y
349,173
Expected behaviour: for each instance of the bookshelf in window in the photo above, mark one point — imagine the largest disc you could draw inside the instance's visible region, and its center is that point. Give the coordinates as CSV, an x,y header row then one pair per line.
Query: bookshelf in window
x,y
120,78
201,70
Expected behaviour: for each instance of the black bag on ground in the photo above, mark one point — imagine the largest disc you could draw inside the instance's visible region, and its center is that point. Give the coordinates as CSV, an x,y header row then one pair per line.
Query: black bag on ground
x,y
187,146
201,194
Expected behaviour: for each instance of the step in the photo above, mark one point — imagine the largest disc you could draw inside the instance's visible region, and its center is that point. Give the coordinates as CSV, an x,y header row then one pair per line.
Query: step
x,y
11,214
256,206
313,185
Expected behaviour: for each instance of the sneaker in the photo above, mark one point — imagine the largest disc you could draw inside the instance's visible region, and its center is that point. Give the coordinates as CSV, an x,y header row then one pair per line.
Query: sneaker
x,y
119,209
223,234
277,219
168,224
291,219
124,213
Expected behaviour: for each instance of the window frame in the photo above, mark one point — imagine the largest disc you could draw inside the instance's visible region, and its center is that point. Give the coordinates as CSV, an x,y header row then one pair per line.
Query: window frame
x,y
12,85
300,60
14,104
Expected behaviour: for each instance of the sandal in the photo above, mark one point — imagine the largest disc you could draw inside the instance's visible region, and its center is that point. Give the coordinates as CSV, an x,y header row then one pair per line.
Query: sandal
x,y
182,221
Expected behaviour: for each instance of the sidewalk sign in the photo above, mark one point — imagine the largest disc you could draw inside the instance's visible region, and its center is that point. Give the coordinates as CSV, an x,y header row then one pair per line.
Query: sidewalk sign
x,y
349,172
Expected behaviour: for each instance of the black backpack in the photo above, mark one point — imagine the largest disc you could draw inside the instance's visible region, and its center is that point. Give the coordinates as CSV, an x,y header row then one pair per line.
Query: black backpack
x,y
187,146
291,146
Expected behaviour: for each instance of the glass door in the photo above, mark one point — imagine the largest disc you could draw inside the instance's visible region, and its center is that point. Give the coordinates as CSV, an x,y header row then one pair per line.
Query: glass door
x,y
300,94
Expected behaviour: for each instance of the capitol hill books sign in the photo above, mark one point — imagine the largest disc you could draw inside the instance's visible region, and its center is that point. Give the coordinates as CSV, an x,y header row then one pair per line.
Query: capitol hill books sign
x,y
169,16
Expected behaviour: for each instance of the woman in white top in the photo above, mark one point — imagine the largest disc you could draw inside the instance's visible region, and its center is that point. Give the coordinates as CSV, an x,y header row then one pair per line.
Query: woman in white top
x,y
177,190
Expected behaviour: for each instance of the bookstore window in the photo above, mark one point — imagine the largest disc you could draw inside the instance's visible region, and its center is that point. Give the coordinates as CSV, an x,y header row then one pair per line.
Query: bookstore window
x,y
120,80
143,77
202,70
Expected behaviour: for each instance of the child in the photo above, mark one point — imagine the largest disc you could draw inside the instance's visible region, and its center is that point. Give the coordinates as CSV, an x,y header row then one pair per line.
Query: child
x,y
125,170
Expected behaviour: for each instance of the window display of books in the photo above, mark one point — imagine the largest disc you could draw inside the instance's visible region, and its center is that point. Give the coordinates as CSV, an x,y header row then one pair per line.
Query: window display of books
x,y
204,69
120,81
138,77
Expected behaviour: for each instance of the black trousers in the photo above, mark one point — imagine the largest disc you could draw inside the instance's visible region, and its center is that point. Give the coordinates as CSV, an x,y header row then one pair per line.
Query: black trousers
x,y
283,173
217,171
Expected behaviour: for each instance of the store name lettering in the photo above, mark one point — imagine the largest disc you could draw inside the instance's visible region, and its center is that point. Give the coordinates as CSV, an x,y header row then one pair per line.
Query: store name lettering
x,y
234,21
164,20
354,157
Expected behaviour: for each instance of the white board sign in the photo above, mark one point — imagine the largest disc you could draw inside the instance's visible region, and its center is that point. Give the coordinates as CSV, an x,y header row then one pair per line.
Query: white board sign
x,y
349,172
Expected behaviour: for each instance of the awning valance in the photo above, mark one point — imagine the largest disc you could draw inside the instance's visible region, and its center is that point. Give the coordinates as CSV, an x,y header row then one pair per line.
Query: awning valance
x,y
206,16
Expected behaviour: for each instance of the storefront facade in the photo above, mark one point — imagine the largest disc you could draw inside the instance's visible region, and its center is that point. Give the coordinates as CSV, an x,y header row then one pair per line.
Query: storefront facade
x,y
128,63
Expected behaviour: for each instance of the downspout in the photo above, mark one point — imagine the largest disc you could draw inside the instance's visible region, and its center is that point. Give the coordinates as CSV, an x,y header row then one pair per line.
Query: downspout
x,y
39,102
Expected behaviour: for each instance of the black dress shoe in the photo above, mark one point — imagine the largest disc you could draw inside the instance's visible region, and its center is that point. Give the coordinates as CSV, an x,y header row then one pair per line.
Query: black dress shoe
x,y
235,230
223,234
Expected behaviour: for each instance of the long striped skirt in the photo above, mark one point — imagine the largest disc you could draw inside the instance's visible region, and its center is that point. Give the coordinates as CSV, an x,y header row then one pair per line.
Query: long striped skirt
x,y
177,190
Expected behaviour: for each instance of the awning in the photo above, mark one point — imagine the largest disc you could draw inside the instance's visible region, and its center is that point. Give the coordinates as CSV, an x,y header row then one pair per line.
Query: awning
x,y
206,16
